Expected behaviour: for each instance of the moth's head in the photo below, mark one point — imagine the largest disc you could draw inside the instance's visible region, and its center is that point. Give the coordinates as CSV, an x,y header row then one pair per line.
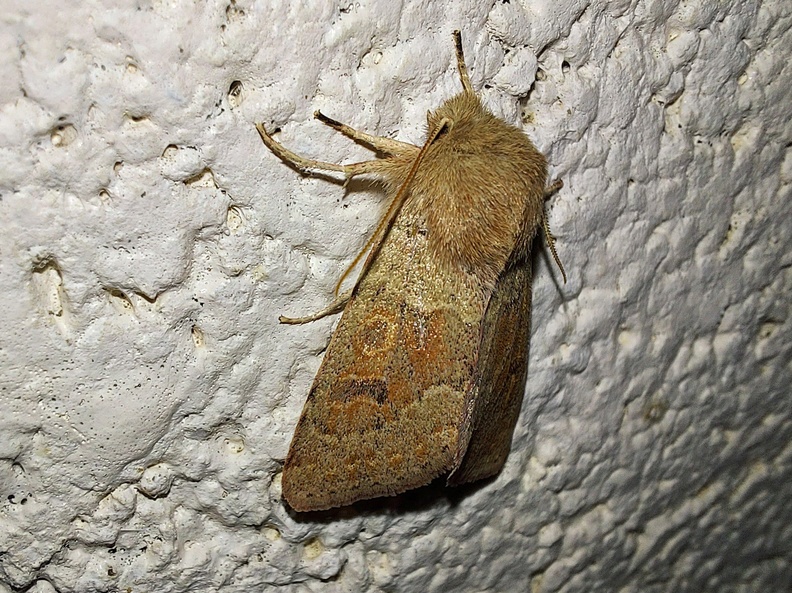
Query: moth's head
x,y
459,115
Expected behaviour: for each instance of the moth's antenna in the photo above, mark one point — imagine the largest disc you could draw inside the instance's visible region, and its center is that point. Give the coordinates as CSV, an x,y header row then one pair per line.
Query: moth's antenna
x,y
551,189
463,73
378,237
551,244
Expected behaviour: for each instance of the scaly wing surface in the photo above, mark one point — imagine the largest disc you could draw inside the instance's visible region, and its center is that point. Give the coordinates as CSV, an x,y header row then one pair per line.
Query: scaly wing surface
x,y
495,403
383,415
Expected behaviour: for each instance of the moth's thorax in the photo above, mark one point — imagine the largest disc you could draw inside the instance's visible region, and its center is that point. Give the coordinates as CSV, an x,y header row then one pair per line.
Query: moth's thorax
x,y
479,187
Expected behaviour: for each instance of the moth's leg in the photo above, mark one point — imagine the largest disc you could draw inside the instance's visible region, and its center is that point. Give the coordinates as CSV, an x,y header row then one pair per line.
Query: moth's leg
x,y
384,145
551,189
336,306
305,164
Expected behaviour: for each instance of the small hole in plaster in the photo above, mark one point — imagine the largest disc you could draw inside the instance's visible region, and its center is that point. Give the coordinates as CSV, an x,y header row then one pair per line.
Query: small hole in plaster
x,y
233,11
48,285
371,57
198,337
170,151
271,532
235,94
235,219
313,549
203,179
234,444
120,301
63,135
117,166
42,264
540,74
136,117
565,67
149,299
526,114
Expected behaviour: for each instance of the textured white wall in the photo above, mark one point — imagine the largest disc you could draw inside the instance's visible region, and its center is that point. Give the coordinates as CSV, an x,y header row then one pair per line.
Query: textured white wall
x,y
148,242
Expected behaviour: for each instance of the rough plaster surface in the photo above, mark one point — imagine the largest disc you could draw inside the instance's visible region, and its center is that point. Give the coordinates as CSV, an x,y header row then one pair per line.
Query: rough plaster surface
x,y
149,241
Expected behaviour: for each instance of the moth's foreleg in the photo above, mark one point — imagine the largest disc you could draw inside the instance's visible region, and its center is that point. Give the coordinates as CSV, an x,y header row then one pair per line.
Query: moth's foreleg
x,y
386,146
336,306
305,164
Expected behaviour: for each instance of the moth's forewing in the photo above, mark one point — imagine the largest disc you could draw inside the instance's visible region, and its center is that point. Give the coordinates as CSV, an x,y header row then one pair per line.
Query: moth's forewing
x,y
495,405
383,415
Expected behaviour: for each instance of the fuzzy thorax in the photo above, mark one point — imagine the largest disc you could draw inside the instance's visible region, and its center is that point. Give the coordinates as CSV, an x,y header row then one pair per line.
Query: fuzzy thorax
x,y
479,189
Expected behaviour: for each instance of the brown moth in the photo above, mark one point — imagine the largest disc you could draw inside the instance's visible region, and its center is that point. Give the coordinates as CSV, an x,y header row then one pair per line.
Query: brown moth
x,y
425,373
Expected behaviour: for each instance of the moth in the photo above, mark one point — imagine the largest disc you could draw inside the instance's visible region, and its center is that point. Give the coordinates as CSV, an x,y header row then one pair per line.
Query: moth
x,y
425,373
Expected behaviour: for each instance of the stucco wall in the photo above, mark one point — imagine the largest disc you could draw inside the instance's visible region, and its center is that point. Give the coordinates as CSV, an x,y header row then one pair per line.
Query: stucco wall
x,y
148,242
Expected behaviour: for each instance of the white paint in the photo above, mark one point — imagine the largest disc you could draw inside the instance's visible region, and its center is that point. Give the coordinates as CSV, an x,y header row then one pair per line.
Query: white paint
x,y
149,242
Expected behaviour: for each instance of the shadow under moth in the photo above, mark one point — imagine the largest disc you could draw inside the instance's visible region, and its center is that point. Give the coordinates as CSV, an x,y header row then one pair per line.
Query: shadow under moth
x,y
425,373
